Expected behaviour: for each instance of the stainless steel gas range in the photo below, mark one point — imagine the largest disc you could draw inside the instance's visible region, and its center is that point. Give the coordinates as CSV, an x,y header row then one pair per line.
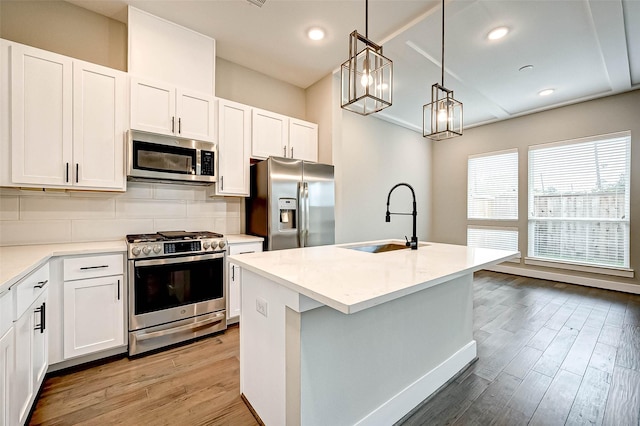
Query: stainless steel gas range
x,y
176,288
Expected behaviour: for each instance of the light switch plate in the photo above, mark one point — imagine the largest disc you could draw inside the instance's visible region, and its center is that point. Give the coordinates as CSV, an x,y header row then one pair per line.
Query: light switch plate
x,y
262,306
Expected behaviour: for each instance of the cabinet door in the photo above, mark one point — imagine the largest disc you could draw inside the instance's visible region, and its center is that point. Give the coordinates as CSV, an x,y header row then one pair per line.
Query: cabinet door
x,y
40,341
303,140
22,384
98,126
269,134
153,106
41,137
233,295
196,116
234,145
6,373
93,315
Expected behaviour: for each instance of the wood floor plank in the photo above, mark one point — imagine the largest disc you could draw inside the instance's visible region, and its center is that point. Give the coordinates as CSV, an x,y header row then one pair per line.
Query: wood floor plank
x,y
603,357
610,335
525,400
557,321
543,338
551,359
623,405
589,405
557,401
523,362
628,350
579,355
490,367
578,317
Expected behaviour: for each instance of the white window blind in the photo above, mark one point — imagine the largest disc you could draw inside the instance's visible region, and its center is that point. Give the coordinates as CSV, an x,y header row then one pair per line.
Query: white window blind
x,y
492,186
579,201
492,237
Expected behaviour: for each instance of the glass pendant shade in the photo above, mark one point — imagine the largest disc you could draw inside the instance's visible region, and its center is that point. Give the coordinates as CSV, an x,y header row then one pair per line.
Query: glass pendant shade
x,y
442,118
366,77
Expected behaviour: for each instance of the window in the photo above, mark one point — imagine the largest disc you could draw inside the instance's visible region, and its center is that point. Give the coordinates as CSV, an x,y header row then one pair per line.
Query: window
x,y
492,195
579,201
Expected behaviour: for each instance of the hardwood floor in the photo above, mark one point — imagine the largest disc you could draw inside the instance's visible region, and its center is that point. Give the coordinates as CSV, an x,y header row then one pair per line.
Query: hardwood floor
x,y
549,354
196,384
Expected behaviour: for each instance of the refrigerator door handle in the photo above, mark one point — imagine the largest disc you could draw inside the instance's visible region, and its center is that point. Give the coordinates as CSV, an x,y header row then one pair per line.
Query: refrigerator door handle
x,y
301,225
306,214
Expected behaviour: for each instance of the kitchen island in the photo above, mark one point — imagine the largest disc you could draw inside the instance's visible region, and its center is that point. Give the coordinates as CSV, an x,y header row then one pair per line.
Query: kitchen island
x,y
336,335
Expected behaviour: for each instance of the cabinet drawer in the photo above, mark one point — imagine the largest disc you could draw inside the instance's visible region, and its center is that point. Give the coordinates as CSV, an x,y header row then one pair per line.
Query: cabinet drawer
x,y
245,248
6,313
29,288
78,268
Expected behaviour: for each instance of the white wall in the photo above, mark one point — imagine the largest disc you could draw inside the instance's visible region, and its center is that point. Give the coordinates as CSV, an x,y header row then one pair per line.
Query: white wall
x,y
596,117
35,217
370,157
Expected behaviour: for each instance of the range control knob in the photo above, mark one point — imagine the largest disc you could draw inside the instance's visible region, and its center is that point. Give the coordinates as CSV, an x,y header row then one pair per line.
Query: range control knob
x,y
146,249
206,245
157,248
221,244
135,251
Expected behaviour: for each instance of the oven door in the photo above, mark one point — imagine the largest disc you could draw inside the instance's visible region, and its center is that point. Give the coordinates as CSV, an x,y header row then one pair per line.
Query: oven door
x,y
175,288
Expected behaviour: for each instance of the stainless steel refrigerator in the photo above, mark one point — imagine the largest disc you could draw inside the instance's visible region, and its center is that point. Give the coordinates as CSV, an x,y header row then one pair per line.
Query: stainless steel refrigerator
x,y
291,203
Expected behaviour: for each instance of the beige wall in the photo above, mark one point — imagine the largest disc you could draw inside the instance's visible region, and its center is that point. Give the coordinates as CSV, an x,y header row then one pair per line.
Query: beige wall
x,y
320,111
605,115
67,29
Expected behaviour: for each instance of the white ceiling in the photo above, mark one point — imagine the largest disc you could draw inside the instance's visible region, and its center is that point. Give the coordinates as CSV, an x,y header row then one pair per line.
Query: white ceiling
x,y
582,48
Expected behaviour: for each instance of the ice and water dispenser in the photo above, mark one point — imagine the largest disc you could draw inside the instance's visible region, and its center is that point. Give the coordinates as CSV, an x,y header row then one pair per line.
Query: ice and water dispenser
x,y
287,208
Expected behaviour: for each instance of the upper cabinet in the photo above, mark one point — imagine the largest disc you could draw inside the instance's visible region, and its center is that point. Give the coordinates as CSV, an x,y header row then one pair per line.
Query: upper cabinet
x,y
159,107
280,136
67,121
164,51
234,146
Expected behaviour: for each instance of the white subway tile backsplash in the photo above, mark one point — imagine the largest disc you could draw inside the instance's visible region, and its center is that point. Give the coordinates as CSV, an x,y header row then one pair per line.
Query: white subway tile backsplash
x,y
233,225
138,190
185,224
179,192
109,229
206,209
53,208
9,208
23,232
131,208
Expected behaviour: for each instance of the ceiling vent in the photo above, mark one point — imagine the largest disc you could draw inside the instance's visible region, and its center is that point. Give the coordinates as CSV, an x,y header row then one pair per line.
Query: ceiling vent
x,y
258,3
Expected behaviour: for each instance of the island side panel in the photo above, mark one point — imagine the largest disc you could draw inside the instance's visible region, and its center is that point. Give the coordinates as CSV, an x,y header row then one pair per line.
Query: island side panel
x,y
376,365
263,348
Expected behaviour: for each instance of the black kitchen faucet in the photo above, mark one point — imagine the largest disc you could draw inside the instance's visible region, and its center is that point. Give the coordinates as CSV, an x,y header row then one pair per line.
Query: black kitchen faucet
x,y
414,239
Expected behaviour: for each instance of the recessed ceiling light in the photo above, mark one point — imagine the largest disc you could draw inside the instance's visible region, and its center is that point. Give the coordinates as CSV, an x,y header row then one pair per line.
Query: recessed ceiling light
x,y
316,33
546,92
497,33
526,68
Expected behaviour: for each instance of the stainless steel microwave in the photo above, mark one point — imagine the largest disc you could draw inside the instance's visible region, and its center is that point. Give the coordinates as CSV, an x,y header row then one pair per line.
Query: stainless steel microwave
x,y
159,158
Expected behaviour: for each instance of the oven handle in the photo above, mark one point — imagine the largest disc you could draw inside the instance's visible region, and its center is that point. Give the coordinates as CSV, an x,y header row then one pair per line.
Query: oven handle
x,y
184,259
154,334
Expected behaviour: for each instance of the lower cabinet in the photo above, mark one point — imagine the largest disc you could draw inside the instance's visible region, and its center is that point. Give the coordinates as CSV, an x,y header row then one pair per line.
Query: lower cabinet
x,y
31,346
234,278
6,369
93,300
93,315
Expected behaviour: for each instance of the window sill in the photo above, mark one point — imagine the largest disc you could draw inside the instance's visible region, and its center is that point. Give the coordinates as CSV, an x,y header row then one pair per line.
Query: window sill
x,y
618,272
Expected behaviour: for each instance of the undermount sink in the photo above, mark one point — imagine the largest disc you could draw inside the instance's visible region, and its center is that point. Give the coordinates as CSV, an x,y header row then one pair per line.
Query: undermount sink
x,y
379,248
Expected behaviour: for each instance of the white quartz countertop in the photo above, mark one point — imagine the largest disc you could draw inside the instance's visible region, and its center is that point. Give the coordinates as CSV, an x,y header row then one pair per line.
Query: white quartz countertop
x,y
351,280
243,238
17,262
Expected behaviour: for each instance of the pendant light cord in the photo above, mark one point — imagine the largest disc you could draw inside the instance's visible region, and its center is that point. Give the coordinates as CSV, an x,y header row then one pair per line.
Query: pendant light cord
x,y
366,18
442,75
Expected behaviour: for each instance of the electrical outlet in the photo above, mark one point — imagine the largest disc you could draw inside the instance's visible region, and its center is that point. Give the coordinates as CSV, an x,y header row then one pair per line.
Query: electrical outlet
x,y
261,306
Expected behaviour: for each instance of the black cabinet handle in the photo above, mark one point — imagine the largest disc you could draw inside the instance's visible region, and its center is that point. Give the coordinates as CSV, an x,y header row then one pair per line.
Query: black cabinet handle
x,y
179,125
173,124
43,315
41,284
221,183
233,272
76,172
291,152
118,289
67,174
84,268
284,148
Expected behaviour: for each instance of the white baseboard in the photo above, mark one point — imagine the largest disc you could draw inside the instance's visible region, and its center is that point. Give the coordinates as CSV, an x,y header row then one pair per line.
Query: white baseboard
x,y
567,278
407,399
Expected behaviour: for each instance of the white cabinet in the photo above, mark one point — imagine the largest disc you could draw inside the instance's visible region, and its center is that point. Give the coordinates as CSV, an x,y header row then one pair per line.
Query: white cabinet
x,y
93,304
303,140
31,342
234,278
159,107
281,136
234,146
67,121
6,355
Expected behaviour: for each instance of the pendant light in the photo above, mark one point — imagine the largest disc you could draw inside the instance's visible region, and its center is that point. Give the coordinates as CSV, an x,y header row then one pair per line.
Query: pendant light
x,y
442,118
367,76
